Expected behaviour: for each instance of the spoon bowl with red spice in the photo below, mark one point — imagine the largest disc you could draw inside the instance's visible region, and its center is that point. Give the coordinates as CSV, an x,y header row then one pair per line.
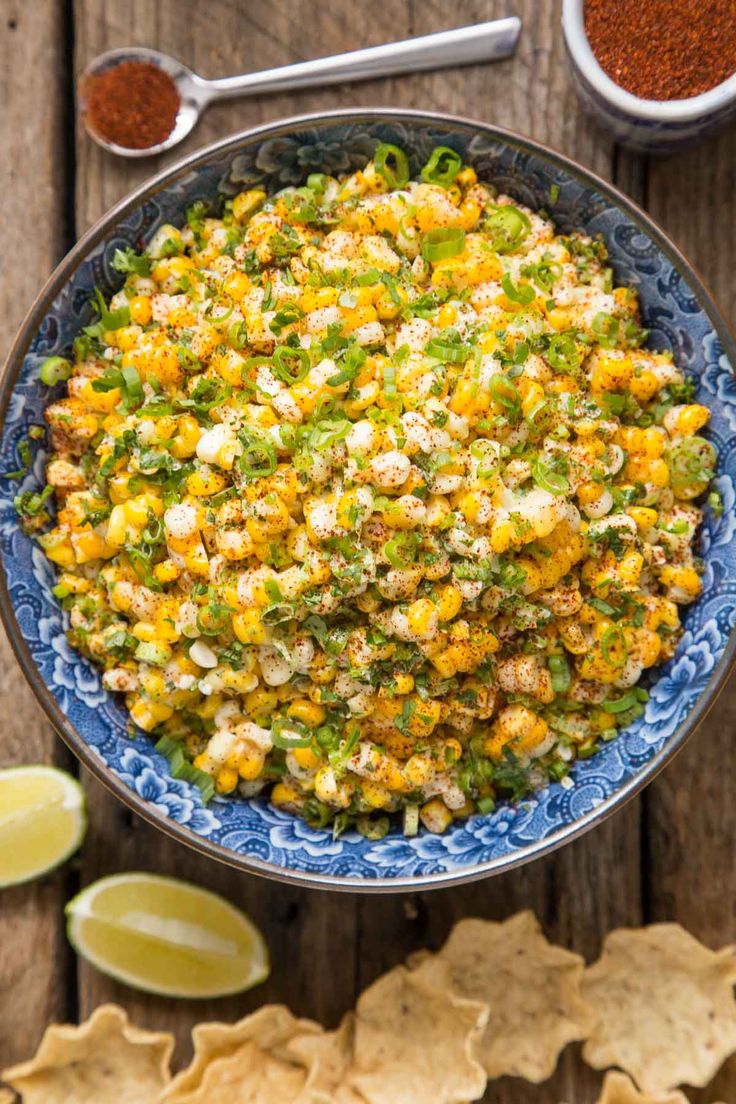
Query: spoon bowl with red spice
x,y
659,75
137,102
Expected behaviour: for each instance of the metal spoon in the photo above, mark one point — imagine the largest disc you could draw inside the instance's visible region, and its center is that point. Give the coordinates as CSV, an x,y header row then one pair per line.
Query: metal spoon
x,y
464,46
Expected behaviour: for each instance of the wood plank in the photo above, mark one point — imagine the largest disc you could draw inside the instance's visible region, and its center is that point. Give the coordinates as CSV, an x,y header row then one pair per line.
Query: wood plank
x,y
692,817
303,928
33,957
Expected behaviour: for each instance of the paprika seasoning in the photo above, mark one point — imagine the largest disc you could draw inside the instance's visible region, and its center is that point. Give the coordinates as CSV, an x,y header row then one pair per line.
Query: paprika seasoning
x,y
133,104
663,49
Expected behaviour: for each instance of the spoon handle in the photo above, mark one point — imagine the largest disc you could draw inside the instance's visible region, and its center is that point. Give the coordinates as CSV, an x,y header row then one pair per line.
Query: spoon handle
x,y
464,46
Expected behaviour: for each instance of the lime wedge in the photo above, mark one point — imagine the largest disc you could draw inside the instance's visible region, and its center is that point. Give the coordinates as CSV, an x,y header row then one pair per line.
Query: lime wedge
x,y
42,821
167,937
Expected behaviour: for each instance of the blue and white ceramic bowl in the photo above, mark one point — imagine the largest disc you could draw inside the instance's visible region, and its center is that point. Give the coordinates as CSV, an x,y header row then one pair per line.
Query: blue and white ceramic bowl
x,y
252,835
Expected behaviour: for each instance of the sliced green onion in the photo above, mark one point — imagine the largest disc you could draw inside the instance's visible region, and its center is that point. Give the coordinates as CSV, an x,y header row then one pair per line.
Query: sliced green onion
x,y
373,829
54,370
153,653
290,365
507,227
288,733
559,669
620,705
443,166
563,353
328,431
237,335
368,279
548,479
610,638
392,164
288,314
606,327
691,461
485,805
438,245
183,769
411,820
258,458
317,182
506,395
389,380
133,386
523,294
448,347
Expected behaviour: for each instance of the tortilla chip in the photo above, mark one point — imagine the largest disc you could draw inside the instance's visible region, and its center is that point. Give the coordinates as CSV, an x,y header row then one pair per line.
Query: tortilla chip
x,y
249,1075
531,986
617,1088
7,1096
104,1059
269,1030
327,1058
665,1004
415,1043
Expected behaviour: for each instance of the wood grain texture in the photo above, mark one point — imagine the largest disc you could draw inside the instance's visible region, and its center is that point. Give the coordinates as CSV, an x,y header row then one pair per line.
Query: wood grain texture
x,y
667,856
32,178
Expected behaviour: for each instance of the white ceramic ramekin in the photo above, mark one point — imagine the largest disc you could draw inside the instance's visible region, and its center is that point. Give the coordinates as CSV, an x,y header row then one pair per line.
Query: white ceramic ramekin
x,y
650,126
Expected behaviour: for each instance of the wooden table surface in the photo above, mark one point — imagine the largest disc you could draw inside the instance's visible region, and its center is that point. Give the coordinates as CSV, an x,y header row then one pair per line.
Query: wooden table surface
x,y
669,855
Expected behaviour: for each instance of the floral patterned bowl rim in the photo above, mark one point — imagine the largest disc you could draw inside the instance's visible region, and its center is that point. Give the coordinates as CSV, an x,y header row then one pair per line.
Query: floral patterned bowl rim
x,y
427,873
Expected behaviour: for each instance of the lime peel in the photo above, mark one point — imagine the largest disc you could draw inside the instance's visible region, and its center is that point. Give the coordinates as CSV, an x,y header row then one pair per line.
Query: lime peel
x,y
42,821
166,936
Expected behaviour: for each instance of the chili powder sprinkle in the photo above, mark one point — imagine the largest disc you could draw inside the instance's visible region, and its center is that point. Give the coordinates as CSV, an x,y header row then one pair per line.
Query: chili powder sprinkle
x,y
134,104
663,49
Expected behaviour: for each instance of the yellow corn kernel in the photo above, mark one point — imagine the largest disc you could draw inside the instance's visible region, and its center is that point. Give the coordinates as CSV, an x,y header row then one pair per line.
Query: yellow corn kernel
x,y
226,781
630,568
197,561
188,432
249,763
644,516
249,628
148,714
446,663
589,492
140,309
117,527
260,701
422,618
532,394
518,728
103,401
644,386
403,684
137,509
306,758
419,769
204,481
307,712
435,816
375,795
684,580
89,546
154,684
284,793
610,373
167,571
449,602
246,203
692,418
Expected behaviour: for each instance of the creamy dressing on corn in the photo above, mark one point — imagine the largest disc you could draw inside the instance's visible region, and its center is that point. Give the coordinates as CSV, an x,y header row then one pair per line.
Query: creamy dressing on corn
x,y
370,496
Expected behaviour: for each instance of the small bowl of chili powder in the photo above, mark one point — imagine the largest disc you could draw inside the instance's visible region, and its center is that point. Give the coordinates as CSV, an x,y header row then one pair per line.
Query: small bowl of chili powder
x,y
659,74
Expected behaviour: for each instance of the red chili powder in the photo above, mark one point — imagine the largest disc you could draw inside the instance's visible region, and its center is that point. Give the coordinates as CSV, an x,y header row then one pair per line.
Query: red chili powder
x,y
663,49
134,104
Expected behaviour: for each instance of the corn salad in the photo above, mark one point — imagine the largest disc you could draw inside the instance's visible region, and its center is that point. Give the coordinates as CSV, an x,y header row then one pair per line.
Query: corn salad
x,y
370,498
